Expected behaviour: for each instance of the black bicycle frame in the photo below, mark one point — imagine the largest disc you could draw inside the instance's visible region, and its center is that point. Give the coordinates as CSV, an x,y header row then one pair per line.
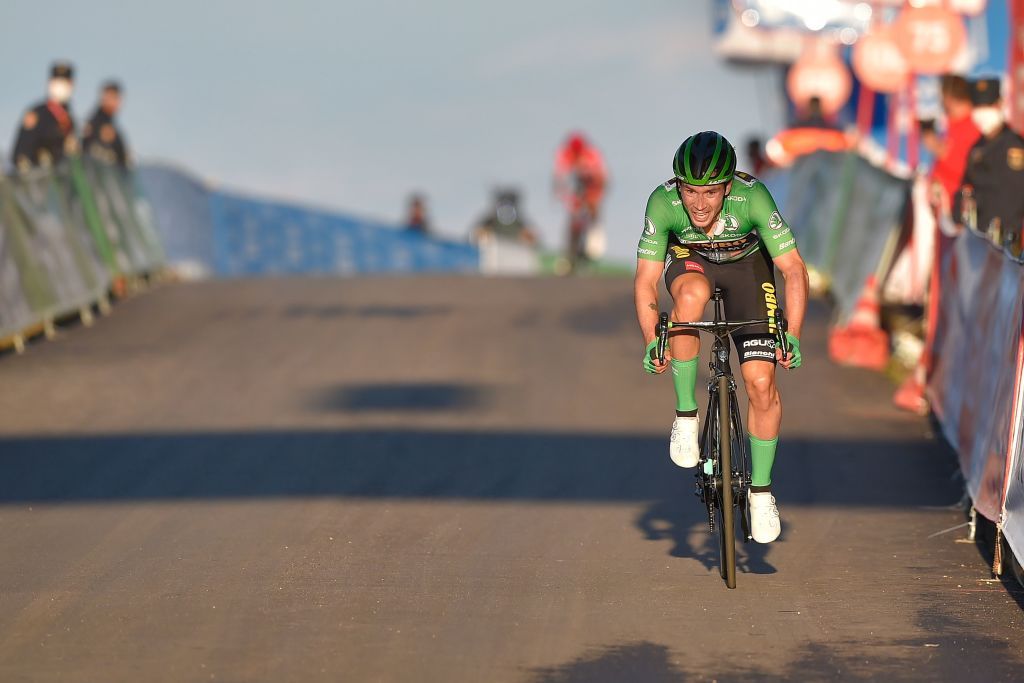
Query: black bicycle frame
x,y
710,487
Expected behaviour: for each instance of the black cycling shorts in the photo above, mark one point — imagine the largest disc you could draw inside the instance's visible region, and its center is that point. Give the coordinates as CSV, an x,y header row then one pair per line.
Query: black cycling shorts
x,y
748,287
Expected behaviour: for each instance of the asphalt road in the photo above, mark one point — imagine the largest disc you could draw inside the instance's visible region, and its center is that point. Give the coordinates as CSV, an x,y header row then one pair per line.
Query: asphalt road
x,y
453,479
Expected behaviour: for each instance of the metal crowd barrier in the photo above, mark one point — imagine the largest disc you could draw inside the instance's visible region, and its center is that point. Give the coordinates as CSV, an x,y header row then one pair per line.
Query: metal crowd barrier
x,y
69,236
212,232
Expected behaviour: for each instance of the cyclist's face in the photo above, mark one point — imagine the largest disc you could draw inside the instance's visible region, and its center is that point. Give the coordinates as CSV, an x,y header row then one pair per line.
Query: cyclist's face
x,y
703,204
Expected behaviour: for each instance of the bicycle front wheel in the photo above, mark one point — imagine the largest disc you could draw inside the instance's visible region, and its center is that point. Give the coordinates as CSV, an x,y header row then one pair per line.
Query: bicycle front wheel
x,y
726,510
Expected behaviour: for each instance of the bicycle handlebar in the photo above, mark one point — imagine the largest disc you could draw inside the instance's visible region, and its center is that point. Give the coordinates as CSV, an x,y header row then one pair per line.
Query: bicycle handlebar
x,y
721,328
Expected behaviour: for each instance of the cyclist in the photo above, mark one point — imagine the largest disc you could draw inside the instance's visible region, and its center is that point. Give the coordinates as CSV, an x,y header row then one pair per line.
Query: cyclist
x,y
580,179
711,226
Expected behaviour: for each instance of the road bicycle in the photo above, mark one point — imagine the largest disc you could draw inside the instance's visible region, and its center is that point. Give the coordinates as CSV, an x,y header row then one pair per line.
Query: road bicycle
x,y
723,472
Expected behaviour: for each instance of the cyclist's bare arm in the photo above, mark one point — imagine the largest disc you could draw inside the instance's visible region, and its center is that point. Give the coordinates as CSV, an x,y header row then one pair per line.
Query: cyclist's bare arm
x,y
645,296
793,269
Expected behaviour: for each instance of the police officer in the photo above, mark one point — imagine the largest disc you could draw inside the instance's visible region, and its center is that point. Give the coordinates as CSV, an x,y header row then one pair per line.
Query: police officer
x,y
101,136
47,130
995,168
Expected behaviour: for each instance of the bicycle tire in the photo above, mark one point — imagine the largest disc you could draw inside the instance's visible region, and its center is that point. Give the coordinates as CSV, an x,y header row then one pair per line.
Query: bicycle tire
x,y
727,529
740,456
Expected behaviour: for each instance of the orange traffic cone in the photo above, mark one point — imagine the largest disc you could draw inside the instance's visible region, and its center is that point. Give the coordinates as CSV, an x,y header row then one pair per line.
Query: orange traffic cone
x,y
862,342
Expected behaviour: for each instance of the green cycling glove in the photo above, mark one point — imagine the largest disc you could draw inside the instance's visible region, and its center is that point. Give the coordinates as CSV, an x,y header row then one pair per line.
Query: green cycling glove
x,y
650,354
794,351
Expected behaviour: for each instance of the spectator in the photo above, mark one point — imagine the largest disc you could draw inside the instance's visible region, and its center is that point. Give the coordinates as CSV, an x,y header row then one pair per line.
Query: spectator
x,y
504,220
101,137
47,130
813,116
417,220
951,150
995,168
759,163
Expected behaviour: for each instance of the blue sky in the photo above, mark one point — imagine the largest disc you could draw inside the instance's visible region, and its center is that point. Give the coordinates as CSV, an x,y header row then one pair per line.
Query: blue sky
x,y
353,105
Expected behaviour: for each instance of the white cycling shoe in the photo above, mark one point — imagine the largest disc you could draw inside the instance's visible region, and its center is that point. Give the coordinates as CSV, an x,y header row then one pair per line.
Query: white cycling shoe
x,y
682,444
765,526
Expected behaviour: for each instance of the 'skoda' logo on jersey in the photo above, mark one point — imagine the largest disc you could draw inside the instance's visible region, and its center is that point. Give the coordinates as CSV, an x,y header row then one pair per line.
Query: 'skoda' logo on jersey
x,y
680,252
649,226
775,220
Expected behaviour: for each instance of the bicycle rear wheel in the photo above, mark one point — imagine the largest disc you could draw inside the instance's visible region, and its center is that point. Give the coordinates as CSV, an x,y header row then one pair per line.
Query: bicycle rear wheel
x,y
726,510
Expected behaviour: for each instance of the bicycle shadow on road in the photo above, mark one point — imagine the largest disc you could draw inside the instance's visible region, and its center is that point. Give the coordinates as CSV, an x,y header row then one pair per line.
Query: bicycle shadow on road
x,y
684,522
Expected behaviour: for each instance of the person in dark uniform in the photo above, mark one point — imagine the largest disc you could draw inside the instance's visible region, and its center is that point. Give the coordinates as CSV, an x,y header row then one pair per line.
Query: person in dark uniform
x,y
990,195
47,130
101,136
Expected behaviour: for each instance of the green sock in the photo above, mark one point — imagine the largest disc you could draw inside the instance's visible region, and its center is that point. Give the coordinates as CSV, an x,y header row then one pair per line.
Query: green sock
x,y
684,379
762,457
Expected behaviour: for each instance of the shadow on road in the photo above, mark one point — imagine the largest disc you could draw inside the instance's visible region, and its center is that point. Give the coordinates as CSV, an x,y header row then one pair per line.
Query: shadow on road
x,y
937,658
683,520
641,661
452,465
419,397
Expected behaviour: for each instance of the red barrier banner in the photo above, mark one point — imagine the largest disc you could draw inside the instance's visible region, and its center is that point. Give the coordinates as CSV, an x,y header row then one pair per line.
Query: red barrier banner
x,y
975,364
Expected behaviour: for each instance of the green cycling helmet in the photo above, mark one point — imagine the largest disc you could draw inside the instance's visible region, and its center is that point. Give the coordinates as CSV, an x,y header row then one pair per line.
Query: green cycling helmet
x,y
706,158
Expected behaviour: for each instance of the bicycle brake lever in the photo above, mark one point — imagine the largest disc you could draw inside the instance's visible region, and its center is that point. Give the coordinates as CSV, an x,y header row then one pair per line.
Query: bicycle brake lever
x,y
662,330
781,327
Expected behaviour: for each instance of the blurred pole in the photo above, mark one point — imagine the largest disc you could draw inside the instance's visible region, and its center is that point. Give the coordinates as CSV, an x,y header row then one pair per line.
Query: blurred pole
x,y
866,110
893,132
913,136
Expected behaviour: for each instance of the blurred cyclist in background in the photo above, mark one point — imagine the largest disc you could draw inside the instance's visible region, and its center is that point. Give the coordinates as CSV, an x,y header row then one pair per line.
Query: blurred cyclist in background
x,y
580,180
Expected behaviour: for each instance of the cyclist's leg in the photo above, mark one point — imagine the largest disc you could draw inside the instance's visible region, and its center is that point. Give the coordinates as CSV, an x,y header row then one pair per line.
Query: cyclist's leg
x,y
751,284
687,282
689,279
764,415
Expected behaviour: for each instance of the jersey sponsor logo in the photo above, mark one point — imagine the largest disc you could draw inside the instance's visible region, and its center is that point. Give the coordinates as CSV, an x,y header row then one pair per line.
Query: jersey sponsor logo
x,y
787,243
680,252
768,343
775,221
771,304
649,226
731,244
780,235
692,265
670,185
735,198
745,178
646,252
759,354
677,202
1015,158
648,240
730,222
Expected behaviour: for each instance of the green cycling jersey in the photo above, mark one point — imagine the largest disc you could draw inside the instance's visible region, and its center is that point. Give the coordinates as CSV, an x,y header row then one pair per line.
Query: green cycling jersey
x,y
749,219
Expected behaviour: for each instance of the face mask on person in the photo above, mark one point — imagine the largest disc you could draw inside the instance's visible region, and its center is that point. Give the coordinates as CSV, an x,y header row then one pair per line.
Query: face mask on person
x,y
987,119
60,90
